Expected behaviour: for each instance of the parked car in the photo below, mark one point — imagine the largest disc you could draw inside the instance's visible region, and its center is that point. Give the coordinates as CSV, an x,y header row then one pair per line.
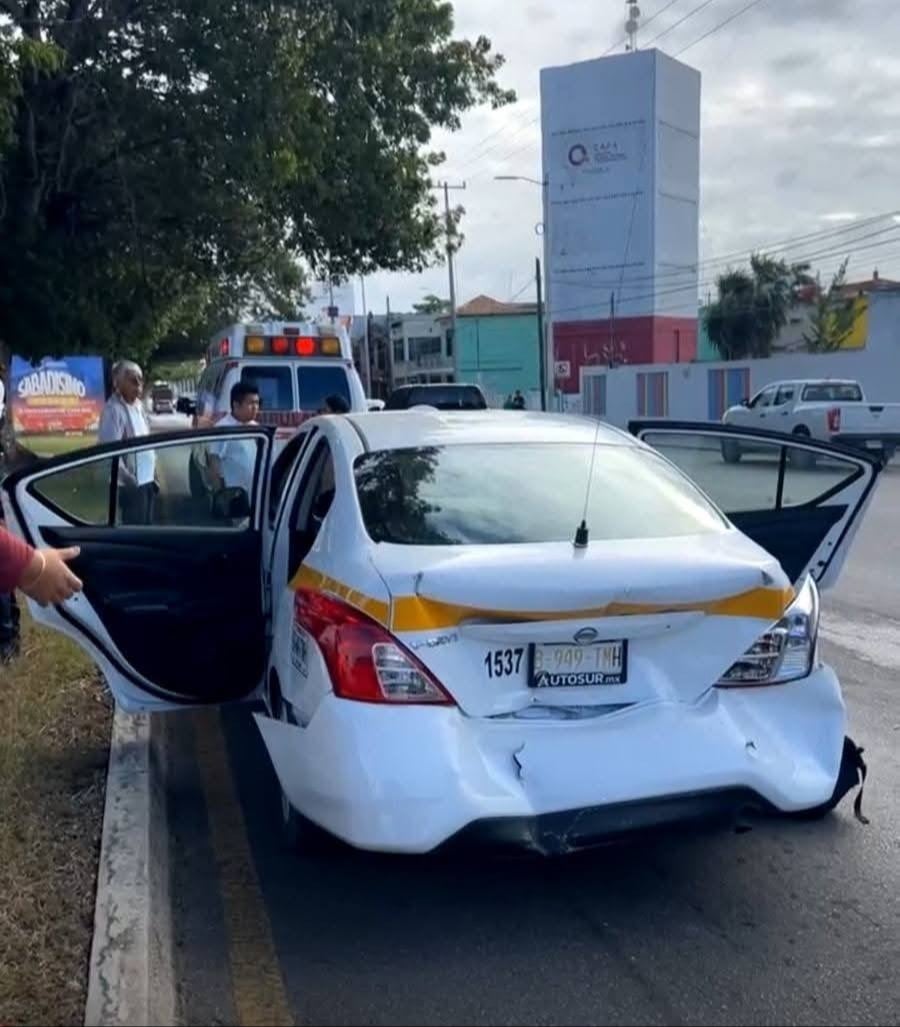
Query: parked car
x,y
187,404
818,408
534,629
162,398
448,396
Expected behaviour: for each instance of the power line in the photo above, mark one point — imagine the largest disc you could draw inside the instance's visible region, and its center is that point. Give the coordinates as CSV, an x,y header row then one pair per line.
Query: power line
x,y
474,154
721,25
691,286
690,14
839,253
767,249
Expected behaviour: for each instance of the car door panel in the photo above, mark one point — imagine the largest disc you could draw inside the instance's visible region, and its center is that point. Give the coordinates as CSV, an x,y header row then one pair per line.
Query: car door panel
x,y
801,500
174,605
172,609
793,535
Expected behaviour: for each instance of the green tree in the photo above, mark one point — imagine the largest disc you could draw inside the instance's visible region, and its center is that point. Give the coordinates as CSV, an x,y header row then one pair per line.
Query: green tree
x,y
183,160
753,306
431,304
833,318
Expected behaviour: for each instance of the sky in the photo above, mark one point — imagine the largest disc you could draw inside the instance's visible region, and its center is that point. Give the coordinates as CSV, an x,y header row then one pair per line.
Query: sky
x,y
800,132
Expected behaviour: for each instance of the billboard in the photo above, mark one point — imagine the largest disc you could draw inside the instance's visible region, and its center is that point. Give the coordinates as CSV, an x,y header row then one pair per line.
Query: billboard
x,y
621,153
56,397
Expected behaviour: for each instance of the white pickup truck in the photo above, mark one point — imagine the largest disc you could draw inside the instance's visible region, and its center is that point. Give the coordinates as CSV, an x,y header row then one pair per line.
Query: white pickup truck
x,y
819,408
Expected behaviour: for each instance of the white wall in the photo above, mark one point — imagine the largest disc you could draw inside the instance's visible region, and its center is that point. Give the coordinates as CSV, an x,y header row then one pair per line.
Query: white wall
x,y
877,368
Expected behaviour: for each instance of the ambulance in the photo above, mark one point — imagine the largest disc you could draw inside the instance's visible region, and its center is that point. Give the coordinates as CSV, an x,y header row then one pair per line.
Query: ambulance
x,y
295,365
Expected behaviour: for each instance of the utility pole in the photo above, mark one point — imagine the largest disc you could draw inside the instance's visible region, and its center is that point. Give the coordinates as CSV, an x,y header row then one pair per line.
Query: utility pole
x,y
366,364
632,23
389,356
540,322
612,329
449,231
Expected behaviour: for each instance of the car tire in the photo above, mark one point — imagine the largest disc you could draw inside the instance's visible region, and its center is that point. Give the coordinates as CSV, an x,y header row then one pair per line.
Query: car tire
x,y
301,836
802,459
731,451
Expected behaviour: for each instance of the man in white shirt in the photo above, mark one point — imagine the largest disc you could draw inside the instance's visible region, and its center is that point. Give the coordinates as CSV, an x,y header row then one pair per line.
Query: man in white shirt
x,y
123,417
232,463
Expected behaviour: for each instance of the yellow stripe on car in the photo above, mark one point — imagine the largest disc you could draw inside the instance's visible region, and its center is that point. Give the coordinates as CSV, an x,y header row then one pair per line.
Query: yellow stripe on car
x,y
415,613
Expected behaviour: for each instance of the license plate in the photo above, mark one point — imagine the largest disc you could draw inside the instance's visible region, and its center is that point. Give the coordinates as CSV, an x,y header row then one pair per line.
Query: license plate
x,y
577,666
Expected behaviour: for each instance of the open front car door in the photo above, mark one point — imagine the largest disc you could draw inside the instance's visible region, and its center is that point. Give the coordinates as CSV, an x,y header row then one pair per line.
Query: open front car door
x,y
170,532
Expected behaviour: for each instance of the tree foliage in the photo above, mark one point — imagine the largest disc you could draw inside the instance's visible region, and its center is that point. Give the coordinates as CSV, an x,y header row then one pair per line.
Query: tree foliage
x,y
171,162
753,306
431,304
833,318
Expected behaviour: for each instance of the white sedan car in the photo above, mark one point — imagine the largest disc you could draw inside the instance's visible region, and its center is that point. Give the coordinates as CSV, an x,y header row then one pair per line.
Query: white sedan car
x,y
526,627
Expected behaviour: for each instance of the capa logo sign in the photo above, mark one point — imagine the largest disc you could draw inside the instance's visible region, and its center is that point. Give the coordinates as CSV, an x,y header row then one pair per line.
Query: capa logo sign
x,y
578,155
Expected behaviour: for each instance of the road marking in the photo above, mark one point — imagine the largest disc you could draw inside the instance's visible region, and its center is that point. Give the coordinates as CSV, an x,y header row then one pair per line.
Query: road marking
x,y
260,998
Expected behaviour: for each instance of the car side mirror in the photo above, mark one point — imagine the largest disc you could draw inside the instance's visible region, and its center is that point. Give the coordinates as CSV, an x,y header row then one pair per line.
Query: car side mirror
x,y
745,402
231,504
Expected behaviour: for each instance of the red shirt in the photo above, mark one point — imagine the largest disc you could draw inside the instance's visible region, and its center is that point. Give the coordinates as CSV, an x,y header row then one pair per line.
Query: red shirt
x,y
15,555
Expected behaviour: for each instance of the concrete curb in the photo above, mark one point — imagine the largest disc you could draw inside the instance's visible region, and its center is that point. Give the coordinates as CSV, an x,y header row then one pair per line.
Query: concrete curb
x,y
131,978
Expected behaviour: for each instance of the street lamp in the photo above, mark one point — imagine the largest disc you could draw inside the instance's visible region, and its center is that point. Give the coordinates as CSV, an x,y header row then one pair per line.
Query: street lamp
x,y
543,336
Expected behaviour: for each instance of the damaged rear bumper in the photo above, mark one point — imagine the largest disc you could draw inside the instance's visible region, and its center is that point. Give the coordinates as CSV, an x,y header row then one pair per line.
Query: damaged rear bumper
x,y
556,834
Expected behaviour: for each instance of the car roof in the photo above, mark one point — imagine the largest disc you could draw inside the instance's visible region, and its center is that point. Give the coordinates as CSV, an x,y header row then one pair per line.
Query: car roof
x,y
405,429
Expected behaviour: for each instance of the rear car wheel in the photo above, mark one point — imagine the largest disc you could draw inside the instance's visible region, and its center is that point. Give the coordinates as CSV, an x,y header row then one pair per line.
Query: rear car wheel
x,y
731,451
803,459
301,836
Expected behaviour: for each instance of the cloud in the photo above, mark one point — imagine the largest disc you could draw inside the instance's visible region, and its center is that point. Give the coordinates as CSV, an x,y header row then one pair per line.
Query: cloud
x,y
799,107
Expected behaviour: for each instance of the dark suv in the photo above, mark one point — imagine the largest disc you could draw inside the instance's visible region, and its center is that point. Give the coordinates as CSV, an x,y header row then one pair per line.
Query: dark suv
x,y
444,397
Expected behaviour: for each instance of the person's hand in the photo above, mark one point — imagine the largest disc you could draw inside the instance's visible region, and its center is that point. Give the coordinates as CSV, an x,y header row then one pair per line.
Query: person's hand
x,y
47,579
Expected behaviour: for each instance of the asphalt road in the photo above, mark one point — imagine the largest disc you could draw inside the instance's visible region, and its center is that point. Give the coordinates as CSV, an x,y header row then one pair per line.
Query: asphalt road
x,y
789,923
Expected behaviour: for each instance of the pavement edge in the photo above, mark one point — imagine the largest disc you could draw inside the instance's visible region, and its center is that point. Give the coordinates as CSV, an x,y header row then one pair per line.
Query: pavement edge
x,y
131,974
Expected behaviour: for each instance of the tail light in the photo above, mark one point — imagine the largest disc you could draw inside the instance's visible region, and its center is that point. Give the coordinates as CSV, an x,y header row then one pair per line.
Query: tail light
x,y
834,420
305,346
366,662
787,651
280,346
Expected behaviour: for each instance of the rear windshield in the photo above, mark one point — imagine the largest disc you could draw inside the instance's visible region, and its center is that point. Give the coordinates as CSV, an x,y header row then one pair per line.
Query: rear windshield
x,y
443,397
274,383
496,494
317,383
828,392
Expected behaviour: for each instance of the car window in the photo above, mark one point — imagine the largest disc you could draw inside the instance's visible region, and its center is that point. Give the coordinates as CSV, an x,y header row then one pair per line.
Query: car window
x,y
281,470
443,397
784,395
497,494
769,476
275,384
764,399
832,392
316,383
312,503
187,484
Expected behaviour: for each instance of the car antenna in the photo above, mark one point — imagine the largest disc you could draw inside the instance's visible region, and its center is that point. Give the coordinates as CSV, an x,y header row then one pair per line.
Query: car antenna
x,y
582,535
